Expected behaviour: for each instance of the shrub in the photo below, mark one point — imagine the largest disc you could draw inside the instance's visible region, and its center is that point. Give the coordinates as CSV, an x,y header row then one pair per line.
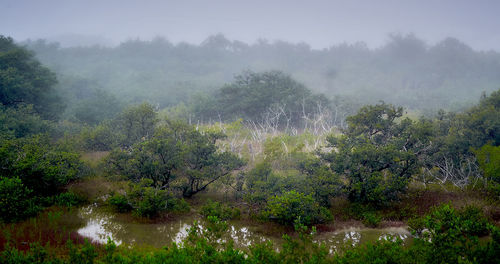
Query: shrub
x,y
146,201
474,221
99,138
222,211
358,210
42,166
120,203
68,199
371,219
453,234
292,205
152,203
14,199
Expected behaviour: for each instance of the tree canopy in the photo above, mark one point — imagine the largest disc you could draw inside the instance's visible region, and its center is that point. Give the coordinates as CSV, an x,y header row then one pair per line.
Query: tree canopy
x,y
23,80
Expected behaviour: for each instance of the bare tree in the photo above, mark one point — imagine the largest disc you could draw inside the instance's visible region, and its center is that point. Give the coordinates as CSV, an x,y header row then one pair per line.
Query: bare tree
x,y
461,171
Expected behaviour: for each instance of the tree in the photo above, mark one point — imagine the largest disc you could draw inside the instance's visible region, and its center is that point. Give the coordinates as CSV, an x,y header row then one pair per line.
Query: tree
x,y
23,80
21,121
157,159
378,153
137,123
322,183
204,164
275,94
460,138
488,158
176,153
42,166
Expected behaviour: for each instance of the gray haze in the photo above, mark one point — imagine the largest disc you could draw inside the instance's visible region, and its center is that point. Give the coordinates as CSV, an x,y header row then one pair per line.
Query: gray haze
x,y
318,23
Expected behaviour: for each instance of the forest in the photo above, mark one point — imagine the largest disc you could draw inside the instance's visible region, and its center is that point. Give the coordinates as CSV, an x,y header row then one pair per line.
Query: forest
x,y
228,152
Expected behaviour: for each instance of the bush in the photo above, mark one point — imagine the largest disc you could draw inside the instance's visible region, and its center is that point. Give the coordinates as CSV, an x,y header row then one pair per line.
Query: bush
x,y
223,212
452,234
292,206
42,166
379,252
68,199
358,210
120,203
152,203
14,199
146,201
371,219
474,221
99,138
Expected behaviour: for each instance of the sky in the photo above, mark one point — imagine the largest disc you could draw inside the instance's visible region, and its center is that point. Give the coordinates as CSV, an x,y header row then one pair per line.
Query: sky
x,y
320,23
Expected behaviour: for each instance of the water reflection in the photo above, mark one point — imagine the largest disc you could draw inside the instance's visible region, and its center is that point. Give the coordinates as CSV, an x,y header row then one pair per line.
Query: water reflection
x,y
351,237
102,224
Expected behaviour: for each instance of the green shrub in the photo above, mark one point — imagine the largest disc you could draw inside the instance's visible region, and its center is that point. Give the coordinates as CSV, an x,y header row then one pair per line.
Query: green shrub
x,y
453,235
152,202
474,221
358,210
68,199
98,138
146,201
219,210
177,205
379,252
292,205
120,203
84,255
42,166
416,225
371,219
14,199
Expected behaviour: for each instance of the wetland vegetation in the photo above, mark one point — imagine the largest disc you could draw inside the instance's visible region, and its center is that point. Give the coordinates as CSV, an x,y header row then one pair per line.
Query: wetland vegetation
x,y
261,169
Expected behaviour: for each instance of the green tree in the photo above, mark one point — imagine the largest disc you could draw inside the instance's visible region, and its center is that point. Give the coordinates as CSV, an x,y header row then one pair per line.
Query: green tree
x,y
488,158
176,152
252,94
378,153
42,166
137,123
23,80
205,165
21,121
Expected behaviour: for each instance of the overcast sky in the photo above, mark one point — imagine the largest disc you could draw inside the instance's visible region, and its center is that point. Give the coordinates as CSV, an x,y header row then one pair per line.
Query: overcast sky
x,y
319,23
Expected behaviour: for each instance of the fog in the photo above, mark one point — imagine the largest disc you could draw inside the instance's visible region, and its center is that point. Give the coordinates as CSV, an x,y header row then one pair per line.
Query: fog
x,y
319,23
422,55
365,121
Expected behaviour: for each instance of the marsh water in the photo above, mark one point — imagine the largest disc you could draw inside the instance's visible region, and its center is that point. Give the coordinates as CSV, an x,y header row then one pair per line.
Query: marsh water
x,y
101,224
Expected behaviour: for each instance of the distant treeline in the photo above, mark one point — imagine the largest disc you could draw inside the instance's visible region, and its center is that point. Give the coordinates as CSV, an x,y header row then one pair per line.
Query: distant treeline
x,y
405,71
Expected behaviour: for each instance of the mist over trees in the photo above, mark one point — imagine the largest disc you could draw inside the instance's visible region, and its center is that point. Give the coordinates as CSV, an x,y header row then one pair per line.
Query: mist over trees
x,y
405,71
146,130
24,81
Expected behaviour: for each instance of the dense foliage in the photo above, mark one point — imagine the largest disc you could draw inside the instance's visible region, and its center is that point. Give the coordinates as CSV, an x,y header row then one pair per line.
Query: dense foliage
x,y
43,166
34,166
256,96
176,157
404,71
293,207
23,80
146,201
378,154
